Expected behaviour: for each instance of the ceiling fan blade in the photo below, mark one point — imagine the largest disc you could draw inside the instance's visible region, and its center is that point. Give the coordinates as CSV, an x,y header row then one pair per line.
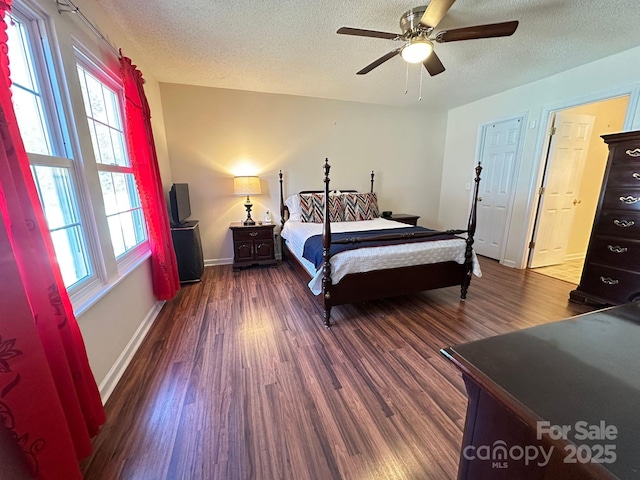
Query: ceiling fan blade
x,y
433,64
379,61
479,31
367,33
435,11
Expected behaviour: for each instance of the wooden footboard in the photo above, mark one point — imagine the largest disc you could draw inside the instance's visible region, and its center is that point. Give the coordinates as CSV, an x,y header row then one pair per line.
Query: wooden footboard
x,y
366,286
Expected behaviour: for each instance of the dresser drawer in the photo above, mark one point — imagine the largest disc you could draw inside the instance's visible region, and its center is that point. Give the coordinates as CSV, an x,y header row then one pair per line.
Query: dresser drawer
x,y
626,224
615,252
624,174
622,199
253,234
625,152
612,284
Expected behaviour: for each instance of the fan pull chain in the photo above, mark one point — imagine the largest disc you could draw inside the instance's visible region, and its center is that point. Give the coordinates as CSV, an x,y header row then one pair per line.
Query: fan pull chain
x,y
421,75
406,80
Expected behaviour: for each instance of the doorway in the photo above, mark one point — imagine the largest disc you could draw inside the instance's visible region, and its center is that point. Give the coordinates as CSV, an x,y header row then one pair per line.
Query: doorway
x,y
575,162
499,156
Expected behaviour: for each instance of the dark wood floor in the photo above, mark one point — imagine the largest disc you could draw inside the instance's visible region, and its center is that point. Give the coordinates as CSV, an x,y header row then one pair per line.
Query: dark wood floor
x,y
238,379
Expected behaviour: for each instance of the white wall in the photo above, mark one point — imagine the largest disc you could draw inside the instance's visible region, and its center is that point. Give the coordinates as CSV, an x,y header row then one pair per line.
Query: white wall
x,y
114,325
214,134
612,75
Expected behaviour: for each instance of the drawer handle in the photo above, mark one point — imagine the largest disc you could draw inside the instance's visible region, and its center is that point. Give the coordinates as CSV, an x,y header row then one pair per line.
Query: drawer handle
x,y
634,153
253,234
629,199
616,249
609,280
636,175
624,223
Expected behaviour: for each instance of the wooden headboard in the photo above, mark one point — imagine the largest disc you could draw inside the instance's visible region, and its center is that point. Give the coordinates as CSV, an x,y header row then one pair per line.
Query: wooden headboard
x,y
284,210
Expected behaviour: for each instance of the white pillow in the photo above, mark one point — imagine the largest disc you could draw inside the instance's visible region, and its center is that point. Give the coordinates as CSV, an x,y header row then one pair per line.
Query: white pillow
x,y
293,204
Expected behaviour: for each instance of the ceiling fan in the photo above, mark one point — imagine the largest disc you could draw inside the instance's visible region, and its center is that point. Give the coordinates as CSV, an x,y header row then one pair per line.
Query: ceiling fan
x,y
417,26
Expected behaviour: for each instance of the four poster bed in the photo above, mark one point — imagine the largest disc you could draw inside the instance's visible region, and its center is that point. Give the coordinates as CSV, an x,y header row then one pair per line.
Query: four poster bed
x,y
367,257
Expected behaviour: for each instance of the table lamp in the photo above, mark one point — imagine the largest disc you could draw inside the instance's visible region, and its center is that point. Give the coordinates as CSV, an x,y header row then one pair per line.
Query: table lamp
x,y
247,186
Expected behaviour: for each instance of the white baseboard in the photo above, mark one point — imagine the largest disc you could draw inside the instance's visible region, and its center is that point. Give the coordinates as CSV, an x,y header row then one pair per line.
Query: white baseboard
x,y
575,256
212,262
117,370
509,263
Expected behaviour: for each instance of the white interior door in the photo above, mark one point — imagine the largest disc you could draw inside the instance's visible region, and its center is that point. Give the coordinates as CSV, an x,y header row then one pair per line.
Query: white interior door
x,y
498,156
565,162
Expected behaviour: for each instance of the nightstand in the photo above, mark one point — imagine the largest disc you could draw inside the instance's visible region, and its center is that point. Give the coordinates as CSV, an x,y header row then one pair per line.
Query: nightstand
x,y
404,218
253,245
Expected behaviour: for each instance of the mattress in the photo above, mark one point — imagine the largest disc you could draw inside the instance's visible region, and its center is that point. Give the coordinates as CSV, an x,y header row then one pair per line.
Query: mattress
x,y
371,258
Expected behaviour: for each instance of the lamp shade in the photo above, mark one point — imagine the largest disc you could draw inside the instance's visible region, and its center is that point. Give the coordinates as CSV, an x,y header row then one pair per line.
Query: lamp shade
x,y
246,186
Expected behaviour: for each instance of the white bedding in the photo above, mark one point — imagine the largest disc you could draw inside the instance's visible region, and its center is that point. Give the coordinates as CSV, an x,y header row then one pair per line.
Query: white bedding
x,y
371,258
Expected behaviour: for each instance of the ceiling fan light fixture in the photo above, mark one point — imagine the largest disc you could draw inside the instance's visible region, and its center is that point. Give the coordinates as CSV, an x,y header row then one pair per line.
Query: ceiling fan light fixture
x,y
417,50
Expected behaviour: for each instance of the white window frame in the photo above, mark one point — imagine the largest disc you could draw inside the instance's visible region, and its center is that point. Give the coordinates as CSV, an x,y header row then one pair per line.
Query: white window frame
x,y
57,55
62,156
105,75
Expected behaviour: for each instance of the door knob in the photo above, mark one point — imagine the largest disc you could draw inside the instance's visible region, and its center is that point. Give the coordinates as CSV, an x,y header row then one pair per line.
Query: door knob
x,y
576,202
479,199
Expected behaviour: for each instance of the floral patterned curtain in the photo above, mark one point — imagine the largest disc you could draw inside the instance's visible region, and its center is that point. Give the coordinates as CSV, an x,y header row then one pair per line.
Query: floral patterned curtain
x,y
49,400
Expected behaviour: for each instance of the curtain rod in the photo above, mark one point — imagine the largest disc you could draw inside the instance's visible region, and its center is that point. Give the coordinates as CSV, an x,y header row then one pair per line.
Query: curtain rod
x,y
67,6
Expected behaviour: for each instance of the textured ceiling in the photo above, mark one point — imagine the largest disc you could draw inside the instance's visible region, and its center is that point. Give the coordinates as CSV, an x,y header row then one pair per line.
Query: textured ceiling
x,y
291,47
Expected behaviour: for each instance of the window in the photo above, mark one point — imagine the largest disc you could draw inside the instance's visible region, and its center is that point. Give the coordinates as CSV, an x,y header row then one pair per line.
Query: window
x,y
56,193
87,189
41,133
121,199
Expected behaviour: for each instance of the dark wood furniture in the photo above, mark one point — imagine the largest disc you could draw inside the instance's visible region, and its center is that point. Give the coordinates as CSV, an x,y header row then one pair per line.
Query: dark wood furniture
x,y
376,284
611,273
583,369
188,247
407,218
252,245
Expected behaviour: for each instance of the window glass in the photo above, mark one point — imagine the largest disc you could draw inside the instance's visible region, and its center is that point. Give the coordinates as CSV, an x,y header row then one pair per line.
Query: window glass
x,y
119,191
54,183
55,188
103,113
27,98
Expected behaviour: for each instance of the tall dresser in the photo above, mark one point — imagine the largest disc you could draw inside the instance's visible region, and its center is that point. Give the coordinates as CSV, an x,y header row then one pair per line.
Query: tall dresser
x,y
611,273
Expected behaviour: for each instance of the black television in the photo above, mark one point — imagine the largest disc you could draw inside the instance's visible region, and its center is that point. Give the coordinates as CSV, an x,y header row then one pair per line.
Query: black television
x,y
179,201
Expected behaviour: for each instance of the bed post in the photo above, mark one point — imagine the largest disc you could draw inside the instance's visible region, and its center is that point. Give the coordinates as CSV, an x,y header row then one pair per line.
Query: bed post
x,y
326,245
281,217
471,230
372,174
281,202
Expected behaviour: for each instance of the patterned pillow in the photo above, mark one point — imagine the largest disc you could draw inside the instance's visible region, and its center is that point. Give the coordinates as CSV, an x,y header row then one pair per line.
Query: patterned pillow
x,y
312,207
360,206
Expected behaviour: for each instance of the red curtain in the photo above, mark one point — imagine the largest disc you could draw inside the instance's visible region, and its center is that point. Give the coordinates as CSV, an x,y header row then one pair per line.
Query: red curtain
x,y
49,401
145,166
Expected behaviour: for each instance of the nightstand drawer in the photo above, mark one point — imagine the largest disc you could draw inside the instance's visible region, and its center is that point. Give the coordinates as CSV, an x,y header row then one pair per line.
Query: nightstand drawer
x,y
253,234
